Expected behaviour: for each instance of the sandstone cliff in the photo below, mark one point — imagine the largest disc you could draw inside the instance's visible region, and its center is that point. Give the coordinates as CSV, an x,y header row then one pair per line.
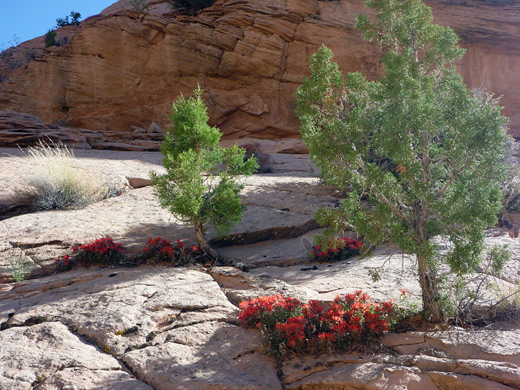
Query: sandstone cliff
x,y
124,68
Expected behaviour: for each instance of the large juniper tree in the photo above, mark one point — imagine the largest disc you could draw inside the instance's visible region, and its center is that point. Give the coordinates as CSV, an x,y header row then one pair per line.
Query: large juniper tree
x,y
202,181
417,151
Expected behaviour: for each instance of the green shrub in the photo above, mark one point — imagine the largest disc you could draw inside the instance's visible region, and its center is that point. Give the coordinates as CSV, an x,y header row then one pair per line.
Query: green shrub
x,y
263,159
202,182
139,5
50,38
74,20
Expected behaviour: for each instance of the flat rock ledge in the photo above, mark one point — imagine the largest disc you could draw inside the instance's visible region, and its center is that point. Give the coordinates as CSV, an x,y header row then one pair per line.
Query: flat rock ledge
x,y
174,328
166,328
170,328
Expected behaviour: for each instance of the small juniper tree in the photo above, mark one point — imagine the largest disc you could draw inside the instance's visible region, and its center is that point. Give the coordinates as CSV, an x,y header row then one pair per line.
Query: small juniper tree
x,y
50,38
202,182
74,20
418,153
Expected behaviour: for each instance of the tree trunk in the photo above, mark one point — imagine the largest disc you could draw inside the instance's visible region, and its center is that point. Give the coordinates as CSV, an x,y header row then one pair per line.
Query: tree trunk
x,y
203,244
429,290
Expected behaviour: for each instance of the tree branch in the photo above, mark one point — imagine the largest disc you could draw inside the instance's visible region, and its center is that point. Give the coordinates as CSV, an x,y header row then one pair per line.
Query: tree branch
x,y
395,210
454,175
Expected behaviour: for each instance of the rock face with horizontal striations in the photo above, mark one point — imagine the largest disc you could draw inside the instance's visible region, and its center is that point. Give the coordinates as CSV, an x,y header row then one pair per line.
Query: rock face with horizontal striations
x,y
124,68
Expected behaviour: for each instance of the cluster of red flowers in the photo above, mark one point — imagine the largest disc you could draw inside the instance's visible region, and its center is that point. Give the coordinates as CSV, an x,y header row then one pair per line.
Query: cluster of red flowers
x,y
101,251
64,262
105,251
290,326
337,249
162,249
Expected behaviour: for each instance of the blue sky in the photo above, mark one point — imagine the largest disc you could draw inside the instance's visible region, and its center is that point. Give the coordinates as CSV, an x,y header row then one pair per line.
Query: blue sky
x,y
28,19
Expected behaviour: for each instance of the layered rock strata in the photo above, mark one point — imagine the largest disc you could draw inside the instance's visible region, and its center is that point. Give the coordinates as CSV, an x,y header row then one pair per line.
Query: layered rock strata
x,y
124,68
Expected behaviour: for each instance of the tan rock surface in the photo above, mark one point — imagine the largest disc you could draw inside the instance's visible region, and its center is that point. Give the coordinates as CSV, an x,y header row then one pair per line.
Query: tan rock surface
x,y
17,129
173,327
135,216
176,328
204,356
250,56
431,365
48,356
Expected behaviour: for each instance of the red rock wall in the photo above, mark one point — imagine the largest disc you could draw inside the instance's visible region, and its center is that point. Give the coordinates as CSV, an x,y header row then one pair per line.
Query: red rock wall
x,y
125,69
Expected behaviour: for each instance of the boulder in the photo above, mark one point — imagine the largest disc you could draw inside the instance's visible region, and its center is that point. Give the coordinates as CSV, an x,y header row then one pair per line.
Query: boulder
x,y
154,128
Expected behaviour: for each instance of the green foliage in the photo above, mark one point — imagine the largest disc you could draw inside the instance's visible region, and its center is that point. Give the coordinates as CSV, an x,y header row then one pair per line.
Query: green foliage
x,y
74,20
202,184
191,6
50,38
17,264
418,153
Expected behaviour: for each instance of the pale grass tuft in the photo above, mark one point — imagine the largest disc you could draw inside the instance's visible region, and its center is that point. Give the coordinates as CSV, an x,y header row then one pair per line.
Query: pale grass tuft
x,y
56,183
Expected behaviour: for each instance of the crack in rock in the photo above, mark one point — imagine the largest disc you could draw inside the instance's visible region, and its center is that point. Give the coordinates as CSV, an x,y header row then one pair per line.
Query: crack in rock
x,y
276,233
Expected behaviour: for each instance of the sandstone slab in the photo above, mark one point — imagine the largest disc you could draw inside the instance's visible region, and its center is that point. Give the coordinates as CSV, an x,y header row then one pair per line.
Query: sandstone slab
x,y
431,365
49,356
119,309
203,356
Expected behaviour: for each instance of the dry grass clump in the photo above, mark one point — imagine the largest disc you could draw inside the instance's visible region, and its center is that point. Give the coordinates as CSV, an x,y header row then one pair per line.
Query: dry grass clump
x,y
56,183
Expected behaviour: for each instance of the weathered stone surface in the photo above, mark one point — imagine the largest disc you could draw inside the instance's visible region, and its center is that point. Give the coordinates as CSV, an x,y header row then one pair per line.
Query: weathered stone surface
x,y
20,130
366,376
431,365
250,56
49,356
76,378
203,356
176,328
241,286
118,309
276,252
136,215
330,279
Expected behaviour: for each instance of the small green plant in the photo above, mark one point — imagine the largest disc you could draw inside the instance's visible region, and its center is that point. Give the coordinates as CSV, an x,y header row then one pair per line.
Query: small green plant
x,y
74,20
406,307
17,265
50,38
202,183
56,184
263,159
191,6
